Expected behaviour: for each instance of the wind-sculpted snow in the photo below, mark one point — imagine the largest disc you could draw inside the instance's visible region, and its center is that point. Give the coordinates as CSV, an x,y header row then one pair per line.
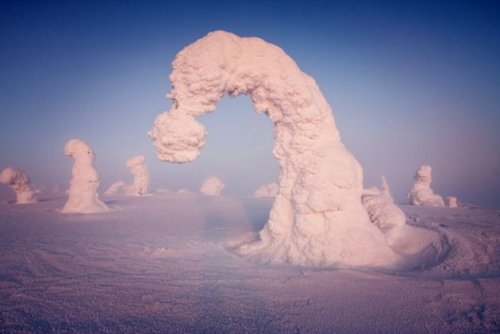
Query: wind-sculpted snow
x,y
317,218
212,186
20,183
83,196
267,190
420,192
138,168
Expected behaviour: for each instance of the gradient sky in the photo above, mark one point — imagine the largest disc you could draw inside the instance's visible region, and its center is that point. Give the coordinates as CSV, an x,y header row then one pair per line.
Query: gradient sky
x,y
410,83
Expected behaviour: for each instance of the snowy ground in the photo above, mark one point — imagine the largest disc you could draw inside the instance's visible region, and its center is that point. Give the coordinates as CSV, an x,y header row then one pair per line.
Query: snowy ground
x,y
157,265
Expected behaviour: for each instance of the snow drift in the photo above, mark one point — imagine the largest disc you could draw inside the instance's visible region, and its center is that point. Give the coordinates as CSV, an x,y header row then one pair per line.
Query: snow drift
x,y
317,218
267,190
83,196
212,186
420,192
137,166
19,181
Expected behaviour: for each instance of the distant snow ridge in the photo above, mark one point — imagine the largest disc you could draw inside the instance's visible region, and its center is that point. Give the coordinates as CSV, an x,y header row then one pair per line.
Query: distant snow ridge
x,y
137,166
212,186
420,191
317,217
267,190
83,196
19,181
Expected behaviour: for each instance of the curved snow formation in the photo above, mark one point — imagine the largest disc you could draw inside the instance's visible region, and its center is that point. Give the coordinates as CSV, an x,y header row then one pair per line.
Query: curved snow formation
x,y
212,186
317,218
137,166
420,191
267,190
83,196
19,181
386,215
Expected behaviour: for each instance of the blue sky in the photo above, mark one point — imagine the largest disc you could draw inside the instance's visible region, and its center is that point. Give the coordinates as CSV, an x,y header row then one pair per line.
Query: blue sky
x,y
410,83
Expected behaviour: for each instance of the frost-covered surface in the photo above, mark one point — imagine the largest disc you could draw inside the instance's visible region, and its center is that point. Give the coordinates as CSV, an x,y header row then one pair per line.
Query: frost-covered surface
x,y
317,218
420,191
158,265
139,169
83,196
267,190
116,188
20,183
212,186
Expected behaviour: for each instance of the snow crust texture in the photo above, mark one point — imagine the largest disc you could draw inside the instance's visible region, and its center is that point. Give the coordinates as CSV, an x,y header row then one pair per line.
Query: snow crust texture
x,y
141,185
212,186
83,196
20,183
420,191
317,218
157,266
267,190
